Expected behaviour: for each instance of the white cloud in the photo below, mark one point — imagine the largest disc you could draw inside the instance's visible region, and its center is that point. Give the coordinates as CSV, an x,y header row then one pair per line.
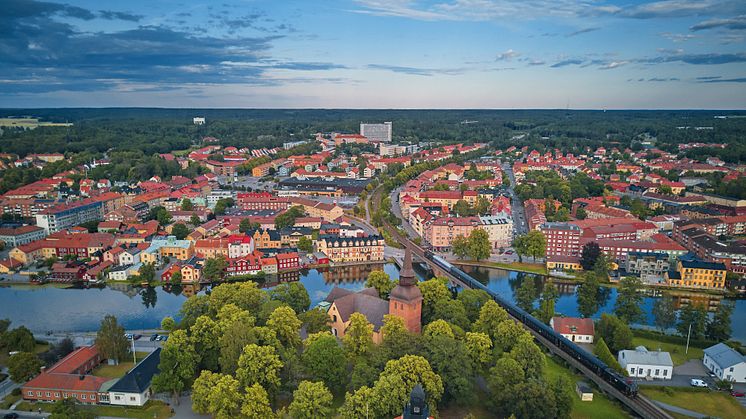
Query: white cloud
x,y
507,55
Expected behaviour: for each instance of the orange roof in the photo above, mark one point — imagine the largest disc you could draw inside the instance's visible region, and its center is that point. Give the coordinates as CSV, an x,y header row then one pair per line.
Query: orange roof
x,y
573,326
74,360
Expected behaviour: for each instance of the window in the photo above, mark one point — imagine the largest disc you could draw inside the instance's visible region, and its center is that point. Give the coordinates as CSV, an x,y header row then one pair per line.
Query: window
x,y
132,398
665,372
30,393
64,395
49,394
117,398
657,371
38,394
83,397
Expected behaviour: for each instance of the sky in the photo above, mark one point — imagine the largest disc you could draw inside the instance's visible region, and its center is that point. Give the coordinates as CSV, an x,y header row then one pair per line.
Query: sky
x,y
497,54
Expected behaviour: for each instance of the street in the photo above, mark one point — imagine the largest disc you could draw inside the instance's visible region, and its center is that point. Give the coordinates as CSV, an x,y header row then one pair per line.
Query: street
x,y
516,205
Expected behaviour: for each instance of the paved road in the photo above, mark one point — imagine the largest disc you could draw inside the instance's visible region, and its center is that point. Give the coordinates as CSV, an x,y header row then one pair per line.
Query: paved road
x,y
516,206
8,385
26,415
680,410
396,209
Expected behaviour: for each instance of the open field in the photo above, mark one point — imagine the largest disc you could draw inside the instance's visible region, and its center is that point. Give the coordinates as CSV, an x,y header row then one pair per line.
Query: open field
x,y
151,410
678,355
712,403
116,371
30,123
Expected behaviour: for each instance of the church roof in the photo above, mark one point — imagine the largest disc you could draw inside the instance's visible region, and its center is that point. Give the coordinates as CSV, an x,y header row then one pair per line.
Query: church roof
x,y
365,302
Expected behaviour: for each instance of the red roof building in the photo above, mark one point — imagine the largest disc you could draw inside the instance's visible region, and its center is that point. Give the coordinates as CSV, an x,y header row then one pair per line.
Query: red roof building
x,y
68,379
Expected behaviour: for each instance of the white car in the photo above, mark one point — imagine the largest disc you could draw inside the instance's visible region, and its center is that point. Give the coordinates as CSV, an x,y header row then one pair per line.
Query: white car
x,y
698,383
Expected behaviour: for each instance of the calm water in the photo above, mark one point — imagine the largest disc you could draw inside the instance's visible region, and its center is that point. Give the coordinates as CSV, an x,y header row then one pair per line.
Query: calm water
x,y
44,309
506,282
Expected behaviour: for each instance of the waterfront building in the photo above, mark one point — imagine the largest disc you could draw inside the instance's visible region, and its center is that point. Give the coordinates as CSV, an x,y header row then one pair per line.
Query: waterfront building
x,y
643,363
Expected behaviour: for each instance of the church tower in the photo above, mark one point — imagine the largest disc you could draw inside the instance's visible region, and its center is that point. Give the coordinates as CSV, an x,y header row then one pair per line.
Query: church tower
x,y
405,300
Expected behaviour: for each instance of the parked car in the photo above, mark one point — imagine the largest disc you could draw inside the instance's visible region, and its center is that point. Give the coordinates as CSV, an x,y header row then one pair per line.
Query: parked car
x,y
737,393
698,383
128,336
11,416
136,337
154,337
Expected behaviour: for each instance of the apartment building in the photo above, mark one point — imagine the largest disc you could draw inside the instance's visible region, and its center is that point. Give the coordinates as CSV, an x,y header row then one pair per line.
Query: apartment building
x,y
697,274
345,249
563,239
13,237
441,231
64,216
499,229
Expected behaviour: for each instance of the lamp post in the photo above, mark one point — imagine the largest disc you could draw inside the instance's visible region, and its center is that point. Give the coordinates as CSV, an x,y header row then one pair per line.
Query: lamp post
x,y
687,339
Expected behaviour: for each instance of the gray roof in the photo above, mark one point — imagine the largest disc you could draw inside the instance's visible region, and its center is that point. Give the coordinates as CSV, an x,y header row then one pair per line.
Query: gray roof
x,y
724,355
365,302
642,356
138,379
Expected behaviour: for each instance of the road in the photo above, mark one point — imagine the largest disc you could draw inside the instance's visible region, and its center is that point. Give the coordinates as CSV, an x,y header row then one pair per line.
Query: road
x,y
516,205
8,385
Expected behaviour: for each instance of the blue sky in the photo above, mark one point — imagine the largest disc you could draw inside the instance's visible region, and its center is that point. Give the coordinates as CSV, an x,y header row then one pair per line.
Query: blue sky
x,y
374,53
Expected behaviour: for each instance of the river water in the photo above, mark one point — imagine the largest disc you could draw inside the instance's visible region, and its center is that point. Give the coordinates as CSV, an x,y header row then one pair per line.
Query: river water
x,y
44,309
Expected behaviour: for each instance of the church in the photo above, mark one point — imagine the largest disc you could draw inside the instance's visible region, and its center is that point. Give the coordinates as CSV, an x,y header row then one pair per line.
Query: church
x,y
405,301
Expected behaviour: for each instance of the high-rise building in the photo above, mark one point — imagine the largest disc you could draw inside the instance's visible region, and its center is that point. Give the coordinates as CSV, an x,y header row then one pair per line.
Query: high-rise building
x,y
376,132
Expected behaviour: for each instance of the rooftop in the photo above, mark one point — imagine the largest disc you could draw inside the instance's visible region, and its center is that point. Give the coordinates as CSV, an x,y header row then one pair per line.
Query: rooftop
x,y
642,356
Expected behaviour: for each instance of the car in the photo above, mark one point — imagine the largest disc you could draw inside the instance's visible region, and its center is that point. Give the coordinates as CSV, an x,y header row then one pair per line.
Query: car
x,y
695,382
154,338
136,337
128,336
164,338
737,393
11,416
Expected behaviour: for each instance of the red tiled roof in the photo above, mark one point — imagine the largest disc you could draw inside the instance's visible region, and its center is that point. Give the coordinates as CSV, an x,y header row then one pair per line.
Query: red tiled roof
x,y
74,360
573,326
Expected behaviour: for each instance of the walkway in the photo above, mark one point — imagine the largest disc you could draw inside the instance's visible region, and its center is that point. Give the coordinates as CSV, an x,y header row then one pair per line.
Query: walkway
x,y
681,411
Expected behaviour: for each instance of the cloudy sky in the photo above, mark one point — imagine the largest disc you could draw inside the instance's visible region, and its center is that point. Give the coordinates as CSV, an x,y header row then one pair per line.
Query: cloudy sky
x,y
374,53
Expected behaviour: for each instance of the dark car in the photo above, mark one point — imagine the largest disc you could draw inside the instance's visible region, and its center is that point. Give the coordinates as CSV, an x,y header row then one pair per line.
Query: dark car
x,y
136,337
737,393
153,338
11,416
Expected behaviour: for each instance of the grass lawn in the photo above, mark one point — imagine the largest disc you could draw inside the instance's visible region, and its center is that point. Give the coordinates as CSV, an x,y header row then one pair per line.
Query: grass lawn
x,y
9,400
712,403
600,407
152,409
676,350
116,371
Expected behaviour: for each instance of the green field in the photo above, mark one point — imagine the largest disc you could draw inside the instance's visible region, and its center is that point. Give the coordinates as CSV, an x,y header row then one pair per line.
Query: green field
x,y
600,407
116,371
153,409
712,403
678,355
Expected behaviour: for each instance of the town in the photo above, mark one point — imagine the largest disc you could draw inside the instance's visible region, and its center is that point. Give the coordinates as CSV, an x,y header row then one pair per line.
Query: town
x,y
243,223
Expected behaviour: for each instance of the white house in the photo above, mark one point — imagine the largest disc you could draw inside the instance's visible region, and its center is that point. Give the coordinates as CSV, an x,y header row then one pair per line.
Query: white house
x,y
725,362
646,364
129,256
134,388
199,120
573,328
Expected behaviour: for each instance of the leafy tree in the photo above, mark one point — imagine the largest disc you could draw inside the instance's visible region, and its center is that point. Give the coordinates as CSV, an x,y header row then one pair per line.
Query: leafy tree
x,y
237,332
534,402
589,254
473,300
604,354
287,218
256,403
382,282
23,366
194,220
563,396
438,328
168,323
310,401
546,305
479,348
462,208
286,325
178,365
587,293
398,379
490,316
718,328
460,246
323,359
68,409
160,214
194,307
205,338
293,294
628,300
615,332
526,294
180,231
305,244
147,272
19,339
507,334
503,382
259,365
520,245
110,340
245,295
222,205
581,214
450,359
479,245
217,395
536,244
214,268
187,205
664,313
433,291
529,356
696,316
316,320
359,404
358,337
452,311
176,278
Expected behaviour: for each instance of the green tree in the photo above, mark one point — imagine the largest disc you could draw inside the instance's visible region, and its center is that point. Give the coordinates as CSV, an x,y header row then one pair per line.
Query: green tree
x,y
452,311
536,244
490,316
180,231
615,332
507,334
286,325
581,214
205,338
719,327
473,300
525,295
176,278
311,400
382,282
589,254
187,205
548,299
694,315
664,313
433,291
398,379
147,272
259,365
479,245
316,320
168,324
462,208
323,359
563,396
358,337
479,347
19,339
529,356
628,300
587,293
110,340
214,268
245,295
438,328
217,395
194,220
520,245
256,403
503,382
359,404
178,365
460,246
305,244
293,294
68,409
450,359
23,366
222,205
194,307
604,354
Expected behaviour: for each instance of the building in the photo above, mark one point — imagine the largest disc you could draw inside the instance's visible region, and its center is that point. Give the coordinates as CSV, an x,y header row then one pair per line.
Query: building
x,y
198,120
261,201
63,216
575,329
377,132
170,247
134,388
68,379
348,249
642,363
14,237
563,239
697,274
650,267
441,231
725,362
499,229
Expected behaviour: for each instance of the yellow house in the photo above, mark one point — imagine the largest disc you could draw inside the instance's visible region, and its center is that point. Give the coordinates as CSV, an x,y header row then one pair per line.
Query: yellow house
x,y
190,274
170,247
563,263
697,274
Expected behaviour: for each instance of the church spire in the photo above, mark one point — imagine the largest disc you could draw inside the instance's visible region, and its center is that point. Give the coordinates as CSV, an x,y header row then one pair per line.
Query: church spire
x,y
406,275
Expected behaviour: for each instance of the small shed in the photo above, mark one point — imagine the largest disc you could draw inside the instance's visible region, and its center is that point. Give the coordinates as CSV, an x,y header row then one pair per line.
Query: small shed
x,y
584,391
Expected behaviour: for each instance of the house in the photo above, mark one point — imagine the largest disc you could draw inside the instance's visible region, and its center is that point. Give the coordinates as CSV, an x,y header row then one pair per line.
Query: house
x,y
69,378
725,362
573,328
646,364
134,388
